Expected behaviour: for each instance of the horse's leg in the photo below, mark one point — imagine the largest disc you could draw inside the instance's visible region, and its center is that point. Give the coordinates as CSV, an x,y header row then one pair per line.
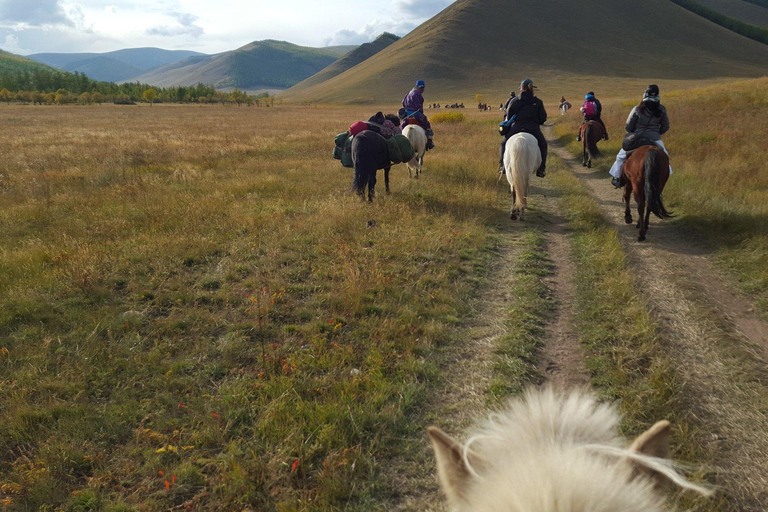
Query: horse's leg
x,y
646,222
512,211
386,179
372,185
627,198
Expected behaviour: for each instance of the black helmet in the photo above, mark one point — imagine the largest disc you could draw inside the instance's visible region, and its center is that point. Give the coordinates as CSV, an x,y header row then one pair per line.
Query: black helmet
x,y
652,90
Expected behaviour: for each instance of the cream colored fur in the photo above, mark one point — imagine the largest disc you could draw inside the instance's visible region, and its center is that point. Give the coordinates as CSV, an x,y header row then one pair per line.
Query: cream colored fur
x,y
521,159
418,138
555,452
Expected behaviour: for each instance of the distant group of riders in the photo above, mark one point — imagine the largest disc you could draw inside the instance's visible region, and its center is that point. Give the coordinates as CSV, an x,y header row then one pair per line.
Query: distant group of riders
x,y
525,113
447,105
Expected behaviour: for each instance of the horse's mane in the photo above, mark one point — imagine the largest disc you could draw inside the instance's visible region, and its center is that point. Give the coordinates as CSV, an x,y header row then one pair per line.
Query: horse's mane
x,y
564,447
393,118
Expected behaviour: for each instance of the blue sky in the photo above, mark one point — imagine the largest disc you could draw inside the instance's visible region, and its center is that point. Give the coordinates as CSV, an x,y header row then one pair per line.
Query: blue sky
x,y
36,26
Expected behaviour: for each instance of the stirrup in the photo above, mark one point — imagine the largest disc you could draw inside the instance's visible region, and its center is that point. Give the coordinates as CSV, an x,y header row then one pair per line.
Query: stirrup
x,y
617,182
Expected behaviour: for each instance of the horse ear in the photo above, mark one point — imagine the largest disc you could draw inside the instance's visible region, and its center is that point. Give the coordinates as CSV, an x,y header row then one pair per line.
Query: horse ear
x,y
653,442
452,470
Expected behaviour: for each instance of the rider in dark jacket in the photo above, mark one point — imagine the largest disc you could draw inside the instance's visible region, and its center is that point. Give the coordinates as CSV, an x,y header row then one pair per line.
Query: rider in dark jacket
x,y
529,115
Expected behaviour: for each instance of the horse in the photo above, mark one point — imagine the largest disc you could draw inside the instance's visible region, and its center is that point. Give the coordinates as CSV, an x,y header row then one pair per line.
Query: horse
x,y
521,159
564,107
418,138
552,451
591,132
645,173
369,154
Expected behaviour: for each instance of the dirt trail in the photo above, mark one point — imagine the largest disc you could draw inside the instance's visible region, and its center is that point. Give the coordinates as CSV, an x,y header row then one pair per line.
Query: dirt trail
x,y
468,370
469,366
718,342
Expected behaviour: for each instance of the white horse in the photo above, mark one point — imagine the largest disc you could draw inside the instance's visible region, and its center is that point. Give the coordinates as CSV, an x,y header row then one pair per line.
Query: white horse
x,y
521,159
564,107
555,452
418,138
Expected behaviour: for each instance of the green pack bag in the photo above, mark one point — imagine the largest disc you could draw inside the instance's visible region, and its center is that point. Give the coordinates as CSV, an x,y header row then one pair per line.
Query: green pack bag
x,y
400,149
343,149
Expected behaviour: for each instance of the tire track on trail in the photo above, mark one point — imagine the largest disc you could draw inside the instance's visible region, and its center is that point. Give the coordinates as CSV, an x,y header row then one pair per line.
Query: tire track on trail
x,y
716,339
468,368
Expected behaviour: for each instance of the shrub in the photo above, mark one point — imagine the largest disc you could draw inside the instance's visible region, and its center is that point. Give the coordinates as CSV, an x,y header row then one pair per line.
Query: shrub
x,y
448,117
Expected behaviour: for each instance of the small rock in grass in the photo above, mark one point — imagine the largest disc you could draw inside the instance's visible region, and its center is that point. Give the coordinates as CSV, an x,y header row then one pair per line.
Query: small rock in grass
x,y
355,372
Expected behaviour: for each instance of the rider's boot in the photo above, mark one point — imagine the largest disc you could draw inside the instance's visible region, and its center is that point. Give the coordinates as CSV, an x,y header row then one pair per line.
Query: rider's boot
x,y
617,182
430,134
578,136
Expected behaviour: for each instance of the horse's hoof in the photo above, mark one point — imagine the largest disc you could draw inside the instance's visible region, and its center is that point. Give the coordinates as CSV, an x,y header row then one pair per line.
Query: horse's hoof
x,y
513,216
589,165
628,219
583,164
641,238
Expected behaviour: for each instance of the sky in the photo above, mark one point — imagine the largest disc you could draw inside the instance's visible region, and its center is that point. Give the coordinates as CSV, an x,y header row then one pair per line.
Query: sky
x,y
64,26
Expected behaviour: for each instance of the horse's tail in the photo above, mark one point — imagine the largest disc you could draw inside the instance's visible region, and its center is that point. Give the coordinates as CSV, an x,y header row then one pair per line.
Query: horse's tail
x,y
523,166
591,138
653,168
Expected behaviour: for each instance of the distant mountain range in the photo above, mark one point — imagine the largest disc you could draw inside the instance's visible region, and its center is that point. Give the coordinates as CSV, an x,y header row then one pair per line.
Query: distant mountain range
x,y
259,65
117,66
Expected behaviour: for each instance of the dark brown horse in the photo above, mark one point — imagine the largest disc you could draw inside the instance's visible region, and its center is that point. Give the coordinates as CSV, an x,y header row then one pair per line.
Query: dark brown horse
x,y
591,133
645,174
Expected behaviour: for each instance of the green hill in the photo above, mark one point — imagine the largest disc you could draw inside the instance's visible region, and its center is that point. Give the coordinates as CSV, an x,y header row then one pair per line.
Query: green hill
x,y
348,61
488,46
12,63
746,12
268,64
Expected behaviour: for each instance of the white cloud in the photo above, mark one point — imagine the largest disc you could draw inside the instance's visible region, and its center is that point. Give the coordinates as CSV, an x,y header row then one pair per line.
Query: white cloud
x,y
34,13
369,32
185,27
422,9
11,44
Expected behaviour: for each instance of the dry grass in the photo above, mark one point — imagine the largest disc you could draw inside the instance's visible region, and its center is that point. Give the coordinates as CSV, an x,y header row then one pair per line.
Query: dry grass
x,y
190,295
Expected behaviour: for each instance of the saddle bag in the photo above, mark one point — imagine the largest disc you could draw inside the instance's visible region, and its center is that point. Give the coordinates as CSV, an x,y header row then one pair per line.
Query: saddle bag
x,y
504,126
400,149
343,149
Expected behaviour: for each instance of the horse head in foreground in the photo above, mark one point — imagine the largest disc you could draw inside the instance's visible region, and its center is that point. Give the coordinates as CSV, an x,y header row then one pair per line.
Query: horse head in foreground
x,y
521,159
418,137
645,174
556,452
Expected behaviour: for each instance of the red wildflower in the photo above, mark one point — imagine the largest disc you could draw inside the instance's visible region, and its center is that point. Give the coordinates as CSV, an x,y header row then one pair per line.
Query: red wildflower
x,y
167,485
294,465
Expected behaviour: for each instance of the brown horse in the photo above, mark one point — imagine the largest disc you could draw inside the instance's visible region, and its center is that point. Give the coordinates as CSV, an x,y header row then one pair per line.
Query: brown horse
x,y
645,174
591,132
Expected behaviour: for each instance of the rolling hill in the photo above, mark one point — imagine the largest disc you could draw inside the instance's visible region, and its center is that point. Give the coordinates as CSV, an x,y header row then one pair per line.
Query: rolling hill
x,y
262,64
488,46
348,61
12,63
116,66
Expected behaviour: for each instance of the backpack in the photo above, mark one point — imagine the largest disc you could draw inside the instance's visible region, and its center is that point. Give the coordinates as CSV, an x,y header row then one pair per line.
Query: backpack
x,y
590,108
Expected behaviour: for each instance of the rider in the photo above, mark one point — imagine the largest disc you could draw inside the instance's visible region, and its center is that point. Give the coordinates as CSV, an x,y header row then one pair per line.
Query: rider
x,y
529,115
592,110
414,107
648,120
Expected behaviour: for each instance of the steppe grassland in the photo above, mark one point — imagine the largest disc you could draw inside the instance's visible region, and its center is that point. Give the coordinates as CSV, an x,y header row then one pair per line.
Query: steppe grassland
x,y
193,308
719,149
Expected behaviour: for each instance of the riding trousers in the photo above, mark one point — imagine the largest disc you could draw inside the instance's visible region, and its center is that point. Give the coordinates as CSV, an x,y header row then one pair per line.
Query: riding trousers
x,y
536,132
618,165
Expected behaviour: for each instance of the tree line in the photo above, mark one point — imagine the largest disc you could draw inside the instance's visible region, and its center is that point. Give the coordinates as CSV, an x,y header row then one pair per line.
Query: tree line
x,y
42,86
751,31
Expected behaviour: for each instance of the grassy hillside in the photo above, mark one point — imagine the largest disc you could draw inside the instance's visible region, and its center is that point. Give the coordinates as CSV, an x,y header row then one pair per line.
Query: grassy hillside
x,y
270,64
486,46
12,63
741,10
116,66
348,61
